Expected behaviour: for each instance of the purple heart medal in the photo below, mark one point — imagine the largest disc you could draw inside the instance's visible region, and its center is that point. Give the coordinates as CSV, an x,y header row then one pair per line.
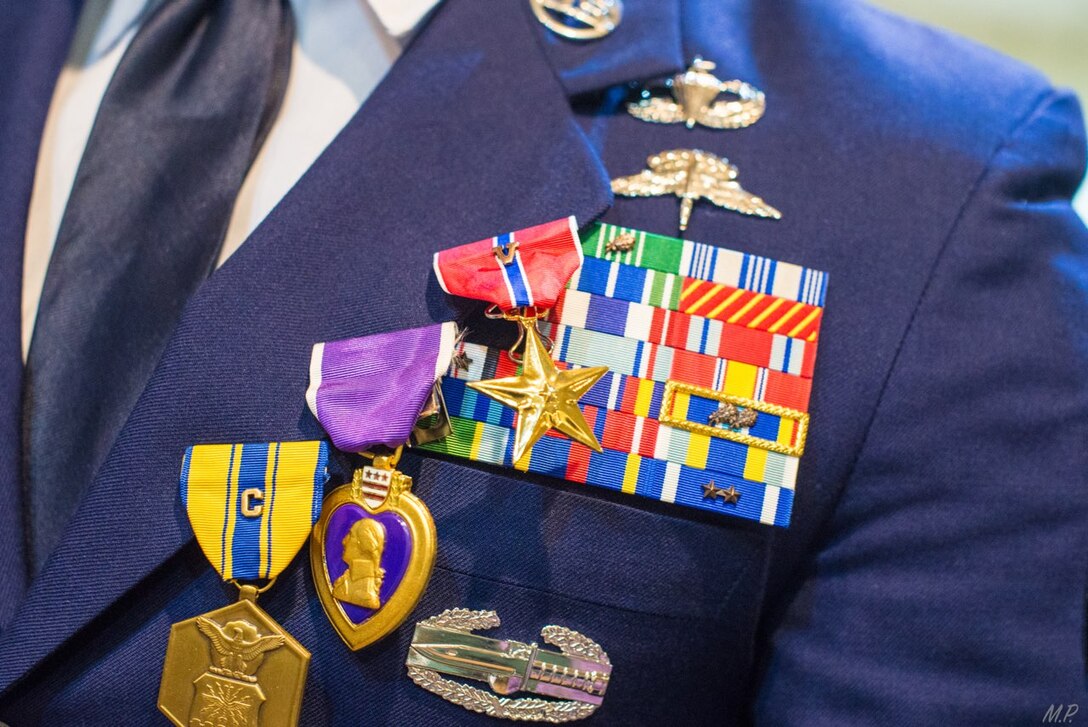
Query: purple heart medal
x,y
373,546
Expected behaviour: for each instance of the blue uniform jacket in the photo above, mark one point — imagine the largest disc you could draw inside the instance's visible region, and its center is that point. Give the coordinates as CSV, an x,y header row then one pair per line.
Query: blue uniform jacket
x,y
934,572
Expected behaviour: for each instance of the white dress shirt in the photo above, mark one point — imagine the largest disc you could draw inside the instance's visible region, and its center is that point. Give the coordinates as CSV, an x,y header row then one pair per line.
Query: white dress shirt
x,y
342,50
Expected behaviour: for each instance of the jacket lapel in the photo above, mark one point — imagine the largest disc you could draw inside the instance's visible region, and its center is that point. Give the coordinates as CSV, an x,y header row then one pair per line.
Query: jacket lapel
x,y
470,135
38,34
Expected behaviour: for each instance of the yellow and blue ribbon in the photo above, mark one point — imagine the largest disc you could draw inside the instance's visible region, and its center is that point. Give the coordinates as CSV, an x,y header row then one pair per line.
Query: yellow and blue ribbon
x,y
252,506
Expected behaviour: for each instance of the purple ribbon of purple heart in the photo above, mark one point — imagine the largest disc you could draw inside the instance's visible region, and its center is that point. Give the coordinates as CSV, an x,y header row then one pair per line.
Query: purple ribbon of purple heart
x,y
370,390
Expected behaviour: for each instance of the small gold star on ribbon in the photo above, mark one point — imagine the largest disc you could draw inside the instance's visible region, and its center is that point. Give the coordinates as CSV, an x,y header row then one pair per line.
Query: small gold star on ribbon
x,y
729,495
543,396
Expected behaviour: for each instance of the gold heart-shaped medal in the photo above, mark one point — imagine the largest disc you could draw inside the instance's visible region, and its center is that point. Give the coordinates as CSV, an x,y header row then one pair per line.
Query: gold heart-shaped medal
x,y
372,552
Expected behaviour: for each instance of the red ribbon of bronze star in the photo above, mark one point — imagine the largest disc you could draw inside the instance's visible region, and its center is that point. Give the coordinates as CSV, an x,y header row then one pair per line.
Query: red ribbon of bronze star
x,y
522,274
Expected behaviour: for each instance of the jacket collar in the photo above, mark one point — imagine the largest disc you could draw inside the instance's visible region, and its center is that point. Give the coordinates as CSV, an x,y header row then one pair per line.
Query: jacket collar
x,y
112,21
346,253
646,44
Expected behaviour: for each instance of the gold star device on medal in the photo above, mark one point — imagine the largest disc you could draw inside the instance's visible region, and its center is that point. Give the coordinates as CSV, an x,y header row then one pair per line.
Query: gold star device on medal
x,y
544,397
692,175
522,274
695,101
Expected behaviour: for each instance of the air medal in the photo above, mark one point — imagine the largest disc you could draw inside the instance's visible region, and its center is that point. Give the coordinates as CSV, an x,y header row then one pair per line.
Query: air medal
x,y
522,274
251,507
374,545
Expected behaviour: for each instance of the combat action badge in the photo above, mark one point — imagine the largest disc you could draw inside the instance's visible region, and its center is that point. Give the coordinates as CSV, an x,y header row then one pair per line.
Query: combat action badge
x,y
251,507
577,676
374,545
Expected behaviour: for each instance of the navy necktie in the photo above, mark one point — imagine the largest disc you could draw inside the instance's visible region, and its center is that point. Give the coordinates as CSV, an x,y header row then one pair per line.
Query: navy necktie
x,y
178,127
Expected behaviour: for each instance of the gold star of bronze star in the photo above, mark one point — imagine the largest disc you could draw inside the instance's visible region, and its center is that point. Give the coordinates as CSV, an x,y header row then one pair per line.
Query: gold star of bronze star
x,y
544,397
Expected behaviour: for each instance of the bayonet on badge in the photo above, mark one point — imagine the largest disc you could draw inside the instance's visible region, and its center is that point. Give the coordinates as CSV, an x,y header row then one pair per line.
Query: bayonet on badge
x,y
694,101
691,175
577,675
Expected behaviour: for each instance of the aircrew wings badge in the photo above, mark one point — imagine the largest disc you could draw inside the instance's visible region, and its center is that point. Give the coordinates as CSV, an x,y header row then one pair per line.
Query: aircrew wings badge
x,y
710,356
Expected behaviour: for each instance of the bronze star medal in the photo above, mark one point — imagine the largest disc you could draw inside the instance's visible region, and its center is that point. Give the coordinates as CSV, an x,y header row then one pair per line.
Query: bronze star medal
x,y
544,397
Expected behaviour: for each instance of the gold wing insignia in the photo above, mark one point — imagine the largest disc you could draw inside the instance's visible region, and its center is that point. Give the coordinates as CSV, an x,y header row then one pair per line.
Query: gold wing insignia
x,y
657,110
732,196
646,184
693,174
735,114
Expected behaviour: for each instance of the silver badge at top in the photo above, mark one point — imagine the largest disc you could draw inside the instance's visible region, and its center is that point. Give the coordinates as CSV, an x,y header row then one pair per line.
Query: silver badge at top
x,y
695,100
579,19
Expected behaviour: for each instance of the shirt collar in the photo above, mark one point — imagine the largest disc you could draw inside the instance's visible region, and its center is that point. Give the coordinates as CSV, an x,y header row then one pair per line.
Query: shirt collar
x,y
111,21
402,17
646,44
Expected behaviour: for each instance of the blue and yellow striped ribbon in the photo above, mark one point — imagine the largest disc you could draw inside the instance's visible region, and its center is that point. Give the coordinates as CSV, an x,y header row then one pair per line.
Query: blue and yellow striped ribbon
x,y
706,262
645,436
689,332
558,456
252,506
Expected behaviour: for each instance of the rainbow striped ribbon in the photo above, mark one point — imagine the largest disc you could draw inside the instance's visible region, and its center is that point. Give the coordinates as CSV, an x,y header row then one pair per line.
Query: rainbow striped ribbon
x,y
709,263
252,506
679,330
583,347
629,473
683,328
698,297
646,437
630,395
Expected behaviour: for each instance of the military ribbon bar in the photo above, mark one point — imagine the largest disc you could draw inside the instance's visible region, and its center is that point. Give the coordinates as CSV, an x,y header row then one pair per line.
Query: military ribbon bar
x,y
711,354
370,390
526,268
624,472
692,296
252,506
706,263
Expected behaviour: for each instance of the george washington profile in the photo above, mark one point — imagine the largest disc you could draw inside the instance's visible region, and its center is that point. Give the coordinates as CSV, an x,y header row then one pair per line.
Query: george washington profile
x,y
361,583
